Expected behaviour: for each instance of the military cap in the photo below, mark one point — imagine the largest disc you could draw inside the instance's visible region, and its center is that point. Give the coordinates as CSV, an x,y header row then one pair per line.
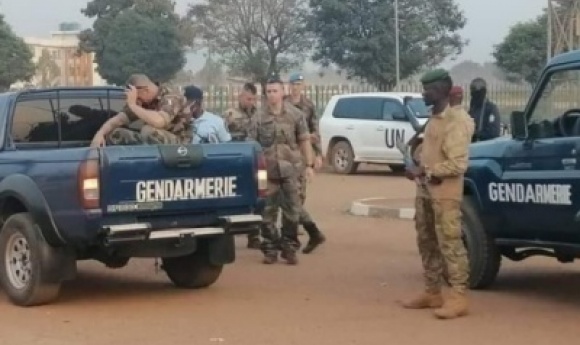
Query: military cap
x,y
296,77
193,93
434,75
139,80
273,78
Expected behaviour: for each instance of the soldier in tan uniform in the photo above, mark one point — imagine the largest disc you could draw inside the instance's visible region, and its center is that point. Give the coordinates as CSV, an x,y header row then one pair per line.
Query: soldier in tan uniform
x,y
238,120
300,101
281,130
165,116
443,159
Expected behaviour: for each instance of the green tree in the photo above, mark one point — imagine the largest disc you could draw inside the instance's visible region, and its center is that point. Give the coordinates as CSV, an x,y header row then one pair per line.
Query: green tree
x,y
105,11
136,43
254,38
359,36
522,53
15,58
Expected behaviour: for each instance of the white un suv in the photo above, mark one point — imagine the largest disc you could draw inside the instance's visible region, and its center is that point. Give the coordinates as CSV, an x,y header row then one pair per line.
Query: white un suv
x,y
365,127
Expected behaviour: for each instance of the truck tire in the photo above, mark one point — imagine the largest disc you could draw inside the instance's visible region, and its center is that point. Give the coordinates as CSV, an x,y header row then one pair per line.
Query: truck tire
x,y
192,271
484,256
22,251
342,158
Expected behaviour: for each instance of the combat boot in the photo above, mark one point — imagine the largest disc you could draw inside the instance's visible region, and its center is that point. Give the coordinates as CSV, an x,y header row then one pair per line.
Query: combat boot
x,y
254,242
316,237
455,306
289,256
270,258
424,301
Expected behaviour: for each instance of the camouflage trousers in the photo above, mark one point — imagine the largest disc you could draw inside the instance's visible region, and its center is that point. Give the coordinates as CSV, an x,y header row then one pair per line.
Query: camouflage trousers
x,y
283,194
438,224
148,136
303,215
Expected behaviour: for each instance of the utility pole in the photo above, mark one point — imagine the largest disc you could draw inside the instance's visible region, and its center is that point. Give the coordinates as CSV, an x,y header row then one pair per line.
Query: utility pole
x,y
397,63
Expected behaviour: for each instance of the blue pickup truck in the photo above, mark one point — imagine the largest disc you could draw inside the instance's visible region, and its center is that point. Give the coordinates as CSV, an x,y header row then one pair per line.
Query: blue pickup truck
x,y
522,193
62,201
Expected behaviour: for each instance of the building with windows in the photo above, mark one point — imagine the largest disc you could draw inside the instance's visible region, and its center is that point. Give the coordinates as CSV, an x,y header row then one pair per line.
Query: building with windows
x,y
59,62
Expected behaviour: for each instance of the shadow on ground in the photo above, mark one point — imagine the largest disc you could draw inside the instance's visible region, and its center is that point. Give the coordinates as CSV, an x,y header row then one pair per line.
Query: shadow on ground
x,y
555,286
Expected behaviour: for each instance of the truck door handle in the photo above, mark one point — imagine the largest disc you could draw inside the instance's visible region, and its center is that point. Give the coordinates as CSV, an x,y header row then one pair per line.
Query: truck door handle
x,y
350,127
380,128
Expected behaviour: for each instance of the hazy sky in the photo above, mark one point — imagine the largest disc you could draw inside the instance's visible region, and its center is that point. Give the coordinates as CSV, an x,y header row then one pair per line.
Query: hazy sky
x,y
488,21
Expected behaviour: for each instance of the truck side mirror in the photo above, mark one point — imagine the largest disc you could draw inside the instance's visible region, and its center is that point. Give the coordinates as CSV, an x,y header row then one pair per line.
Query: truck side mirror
x,y
519,126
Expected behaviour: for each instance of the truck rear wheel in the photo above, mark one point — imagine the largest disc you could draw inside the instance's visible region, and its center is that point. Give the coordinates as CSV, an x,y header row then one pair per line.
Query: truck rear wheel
x,y
22,252
192,271
484,256
342,158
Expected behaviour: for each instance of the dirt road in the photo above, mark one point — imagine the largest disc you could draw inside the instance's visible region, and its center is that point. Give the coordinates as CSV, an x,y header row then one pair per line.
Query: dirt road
x,y
345,293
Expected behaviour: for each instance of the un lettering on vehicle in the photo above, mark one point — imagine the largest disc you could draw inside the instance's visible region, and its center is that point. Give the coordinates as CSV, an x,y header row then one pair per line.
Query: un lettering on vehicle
x,y
186,189
547,194
394,135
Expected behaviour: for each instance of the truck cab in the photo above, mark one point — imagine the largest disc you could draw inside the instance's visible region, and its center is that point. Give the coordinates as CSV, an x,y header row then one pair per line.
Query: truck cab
x,y
522,193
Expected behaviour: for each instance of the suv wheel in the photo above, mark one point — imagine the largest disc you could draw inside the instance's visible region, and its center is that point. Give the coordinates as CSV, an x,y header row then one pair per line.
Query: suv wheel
x,y
342,158
22,252
194,270
484,256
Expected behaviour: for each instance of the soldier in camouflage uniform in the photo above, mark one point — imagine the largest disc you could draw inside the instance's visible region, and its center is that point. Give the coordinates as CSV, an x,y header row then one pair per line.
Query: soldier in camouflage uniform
x,y
283,134
165,116
300,101
238,120
443,161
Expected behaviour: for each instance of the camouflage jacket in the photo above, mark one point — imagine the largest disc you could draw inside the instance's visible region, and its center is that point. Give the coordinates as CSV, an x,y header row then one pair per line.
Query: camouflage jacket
x,y
173,105
280,137
309,110
239,122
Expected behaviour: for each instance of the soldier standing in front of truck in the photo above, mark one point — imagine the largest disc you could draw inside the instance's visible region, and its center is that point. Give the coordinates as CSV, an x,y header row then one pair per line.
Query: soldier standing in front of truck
x,y
300,101
443,162
484,112
282,131
165,114
238,120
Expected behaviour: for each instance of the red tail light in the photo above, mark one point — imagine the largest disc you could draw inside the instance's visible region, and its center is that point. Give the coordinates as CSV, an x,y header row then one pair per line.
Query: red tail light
x,y
88,184
262,177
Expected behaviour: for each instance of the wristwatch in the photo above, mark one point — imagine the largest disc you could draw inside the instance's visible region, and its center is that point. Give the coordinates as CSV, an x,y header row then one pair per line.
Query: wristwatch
x,y
310,166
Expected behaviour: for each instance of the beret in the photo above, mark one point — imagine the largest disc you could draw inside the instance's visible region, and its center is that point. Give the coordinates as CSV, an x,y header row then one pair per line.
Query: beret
x,y
456,90
434,75
273,78
294,77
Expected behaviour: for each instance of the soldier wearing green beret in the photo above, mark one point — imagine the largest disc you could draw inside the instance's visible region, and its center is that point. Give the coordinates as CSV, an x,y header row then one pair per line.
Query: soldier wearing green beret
x,y
442,162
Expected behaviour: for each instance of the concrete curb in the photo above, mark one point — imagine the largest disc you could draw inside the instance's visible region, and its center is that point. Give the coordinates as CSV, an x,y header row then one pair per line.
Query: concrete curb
x,y
364,208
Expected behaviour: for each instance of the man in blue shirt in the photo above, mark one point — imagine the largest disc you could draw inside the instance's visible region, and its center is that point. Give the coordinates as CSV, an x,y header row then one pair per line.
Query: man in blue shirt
x,y
207,127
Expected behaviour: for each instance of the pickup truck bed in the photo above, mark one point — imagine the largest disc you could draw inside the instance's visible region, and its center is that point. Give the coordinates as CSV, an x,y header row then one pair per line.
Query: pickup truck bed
x,y
62,201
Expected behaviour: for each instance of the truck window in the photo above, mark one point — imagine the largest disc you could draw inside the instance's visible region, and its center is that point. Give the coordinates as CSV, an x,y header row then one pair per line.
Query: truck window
x,y
81,118
34,122
359,108
391,107
560,94
38,120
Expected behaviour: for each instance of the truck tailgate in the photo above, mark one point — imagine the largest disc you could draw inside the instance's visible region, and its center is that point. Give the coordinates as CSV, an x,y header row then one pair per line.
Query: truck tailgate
x,y
178,179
